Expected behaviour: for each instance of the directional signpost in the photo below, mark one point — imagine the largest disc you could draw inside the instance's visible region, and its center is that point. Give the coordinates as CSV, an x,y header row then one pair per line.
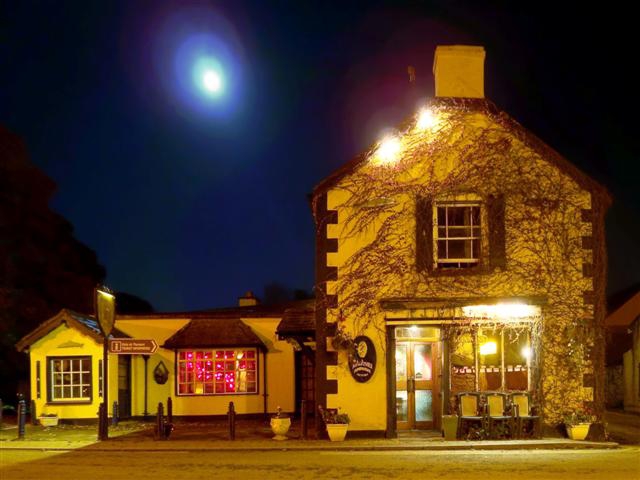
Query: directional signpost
x,y
132,346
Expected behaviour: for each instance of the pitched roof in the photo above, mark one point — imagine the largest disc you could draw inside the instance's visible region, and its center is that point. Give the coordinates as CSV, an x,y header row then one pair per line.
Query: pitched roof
x,y
224,332
86,324
250,311
298,321
487,107
625,314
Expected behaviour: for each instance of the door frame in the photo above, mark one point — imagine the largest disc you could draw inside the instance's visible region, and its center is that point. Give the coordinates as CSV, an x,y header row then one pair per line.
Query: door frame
x,y
392,420
412,385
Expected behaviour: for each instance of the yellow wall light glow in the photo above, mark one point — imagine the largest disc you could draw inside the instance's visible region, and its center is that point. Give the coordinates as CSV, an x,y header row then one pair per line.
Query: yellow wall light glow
x,y
501,311
388,151
488,348
427,119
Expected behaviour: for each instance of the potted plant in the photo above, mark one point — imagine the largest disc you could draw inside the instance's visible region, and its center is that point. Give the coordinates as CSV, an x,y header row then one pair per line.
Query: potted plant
x,y
48,419
342,340
577,424
280,423
336,423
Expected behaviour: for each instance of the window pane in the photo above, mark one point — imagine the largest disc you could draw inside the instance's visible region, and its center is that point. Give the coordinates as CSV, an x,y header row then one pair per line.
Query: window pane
x,y
490,359
442,249
463,377
422,362
516,356
424,402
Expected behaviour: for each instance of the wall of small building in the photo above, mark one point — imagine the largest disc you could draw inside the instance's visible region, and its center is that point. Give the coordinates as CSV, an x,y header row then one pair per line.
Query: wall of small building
x,y
69,342
279,367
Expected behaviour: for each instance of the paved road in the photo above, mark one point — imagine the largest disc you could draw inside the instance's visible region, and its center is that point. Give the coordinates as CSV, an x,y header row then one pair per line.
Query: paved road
x,y
617,464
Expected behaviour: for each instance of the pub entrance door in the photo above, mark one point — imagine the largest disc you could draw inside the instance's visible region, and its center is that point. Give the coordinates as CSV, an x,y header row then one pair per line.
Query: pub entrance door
x,y
417,383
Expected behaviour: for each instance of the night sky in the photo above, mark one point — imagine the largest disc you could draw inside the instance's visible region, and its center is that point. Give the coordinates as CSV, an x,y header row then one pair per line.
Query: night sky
x,y
190,200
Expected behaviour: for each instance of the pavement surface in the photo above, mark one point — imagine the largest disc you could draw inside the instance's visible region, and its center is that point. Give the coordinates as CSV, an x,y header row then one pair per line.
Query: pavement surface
x,y
252,436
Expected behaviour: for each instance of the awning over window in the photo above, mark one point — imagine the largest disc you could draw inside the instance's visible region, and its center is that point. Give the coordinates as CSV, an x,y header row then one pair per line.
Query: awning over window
x,y
227,332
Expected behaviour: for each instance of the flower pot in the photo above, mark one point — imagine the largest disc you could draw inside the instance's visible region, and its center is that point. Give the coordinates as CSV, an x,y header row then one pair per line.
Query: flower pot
x,y
48,421
578,431
450,427
337,431
280,427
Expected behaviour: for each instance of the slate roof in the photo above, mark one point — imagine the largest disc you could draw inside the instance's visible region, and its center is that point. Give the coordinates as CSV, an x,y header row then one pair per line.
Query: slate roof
x,y
224,332
298,321
86,324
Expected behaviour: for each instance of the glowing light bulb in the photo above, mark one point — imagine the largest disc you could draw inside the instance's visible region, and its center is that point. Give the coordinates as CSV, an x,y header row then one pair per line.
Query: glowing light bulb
x,y
426,119
488,348
388,150
526,352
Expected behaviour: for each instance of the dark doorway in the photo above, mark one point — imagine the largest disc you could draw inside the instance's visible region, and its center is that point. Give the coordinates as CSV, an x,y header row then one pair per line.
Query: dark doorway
x,y
124,386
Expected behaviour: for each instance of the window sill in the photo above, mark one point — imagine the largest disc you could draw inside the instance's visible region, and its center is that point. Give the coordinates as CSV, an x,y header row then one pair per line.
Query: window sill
x,y
460,272
69,402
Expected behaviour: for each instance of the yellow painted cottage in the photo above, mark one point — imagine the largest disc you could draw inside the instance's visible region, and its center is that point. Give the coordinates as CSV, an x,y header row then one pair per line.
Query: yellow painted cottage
x,y
203,360
461,254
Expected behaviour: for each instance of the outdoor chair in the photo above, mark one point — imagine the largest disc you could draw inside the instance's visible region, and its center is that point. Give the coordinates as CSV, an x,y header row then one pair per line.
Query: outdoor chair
x,y
470,412
499,417
524,415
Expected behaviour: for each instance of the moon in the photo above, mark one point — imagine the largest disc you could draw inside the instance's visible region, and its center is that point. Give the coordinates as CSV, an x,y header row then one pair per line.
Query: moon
x,y
211,81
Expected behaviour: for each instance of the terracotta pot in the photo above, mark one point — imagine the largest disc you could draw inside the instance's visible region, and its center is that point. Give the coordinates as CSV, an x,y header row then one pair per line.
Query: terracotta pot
x,y
337,431
579,431
280,427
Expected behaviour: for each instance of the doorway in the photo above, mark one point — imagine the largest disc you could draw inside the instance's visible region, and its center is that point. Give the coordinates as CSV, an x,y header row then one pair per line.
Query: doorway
x,y
124,386
417,382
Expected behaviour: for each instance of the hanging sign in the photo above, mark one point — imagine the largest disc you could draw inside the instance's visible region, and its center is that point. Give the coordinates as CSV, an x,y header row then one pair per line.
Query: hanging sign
x,y
362,362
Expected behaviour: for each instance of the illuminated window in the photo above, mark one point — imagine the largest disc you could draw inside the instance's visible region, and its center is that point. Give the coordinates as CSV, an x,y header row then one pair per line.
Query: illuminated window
x,y
501,356
457,235
217,372
69,379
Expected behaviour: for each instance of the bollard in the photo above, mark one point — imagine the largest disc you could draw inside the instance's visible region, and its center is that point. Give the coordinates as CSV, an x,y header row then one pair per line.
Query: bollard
x,y
160,433
169,410
105,422
116,414
303,419
232,421
1,410
34,415
22,416
101,421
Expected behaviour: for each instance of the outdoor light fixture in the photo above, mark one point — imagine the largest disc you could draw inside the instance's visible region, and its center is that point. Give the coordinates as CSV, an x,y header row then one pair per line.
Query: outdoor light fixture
x,y
501,311
426,119
526,352
488,348
387,152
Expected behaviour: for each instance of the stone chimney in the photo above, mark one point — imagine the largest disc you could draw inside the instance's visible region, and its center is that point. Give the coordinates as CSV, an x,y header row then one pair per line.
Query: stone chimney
x,y
248,300
459,71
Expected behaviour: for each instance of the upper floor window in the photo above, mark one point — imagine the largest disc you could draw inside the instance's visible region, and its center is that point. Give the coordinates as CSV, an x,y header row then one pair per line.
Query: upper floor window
x,y
458,234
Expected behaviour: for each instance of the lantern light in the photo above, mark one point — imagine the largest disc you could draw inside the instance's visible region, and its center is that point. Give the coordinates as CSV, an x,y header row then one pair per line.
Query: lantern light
x,y
488,348
427,119
387,152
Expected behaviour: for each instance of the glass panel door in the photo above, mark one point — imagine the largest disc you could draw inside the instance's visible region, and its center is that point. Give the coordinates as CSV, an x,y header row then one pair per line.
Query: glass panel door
x,y
416,385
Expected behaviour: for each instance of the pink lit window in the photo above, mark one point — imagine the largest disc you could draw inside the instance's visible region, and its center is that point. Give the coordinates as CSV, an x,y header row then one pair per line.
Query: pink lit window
x,y
216,372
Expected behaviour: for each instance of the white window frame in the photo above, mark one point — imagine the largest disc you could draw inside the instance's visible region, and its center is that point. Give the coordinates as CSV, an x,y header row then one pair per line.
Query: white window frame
x,y
448,263
65,382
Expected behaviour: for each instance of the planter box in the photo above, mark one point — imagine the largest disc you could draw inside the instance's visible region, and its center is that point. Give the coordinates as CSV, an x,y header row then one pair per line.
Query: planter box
x,y
579,431
449,427
337,431
280,427
48,421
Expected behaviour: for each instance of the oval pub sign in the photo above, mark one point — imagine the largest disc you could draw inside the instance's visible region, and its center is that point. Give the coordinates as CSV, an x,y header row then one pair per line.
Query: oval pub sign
x,y
362,363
